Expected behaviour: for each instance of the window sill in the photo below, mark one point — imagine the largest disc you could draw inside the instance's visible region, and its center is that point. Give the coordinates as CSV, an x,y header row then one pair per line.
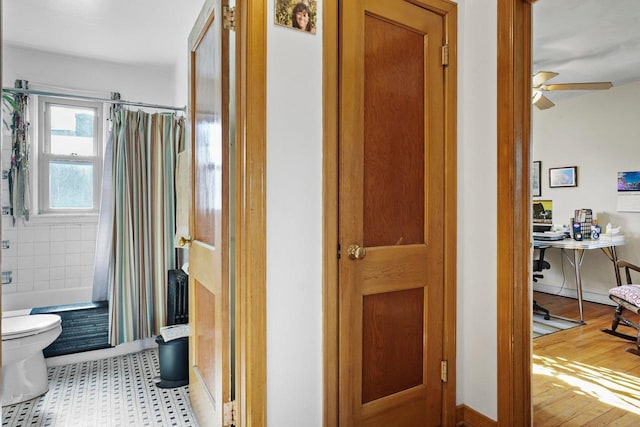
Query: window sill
x,y
52,219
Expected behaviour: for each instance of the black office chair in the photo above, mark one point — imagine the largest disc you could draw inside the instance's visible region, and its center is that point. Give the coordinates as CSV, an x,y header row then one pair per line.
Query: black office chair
x,y
539,265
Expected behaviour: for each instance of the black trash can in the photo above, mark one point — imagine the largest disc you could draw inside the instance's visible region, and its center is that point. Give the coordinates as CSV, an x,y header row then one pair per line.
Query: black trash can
x,y
173,358
173,355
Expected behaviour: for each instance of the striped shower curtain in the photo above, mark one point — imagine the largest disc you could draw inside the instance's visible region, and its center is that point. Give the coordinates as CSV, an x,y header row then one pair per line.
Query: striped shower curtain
x,y
143,164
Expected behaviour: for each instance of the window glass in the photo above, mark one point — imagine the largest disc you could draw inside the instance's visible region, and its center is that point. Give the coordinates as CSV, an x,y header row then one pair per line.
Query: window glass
x,y
70,185
70,155
72,130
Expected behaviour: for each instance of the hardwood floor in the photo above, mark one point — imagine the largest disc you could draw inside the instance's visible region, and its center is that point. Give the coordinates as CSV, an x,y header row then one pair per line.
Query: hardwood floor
x,y
582,376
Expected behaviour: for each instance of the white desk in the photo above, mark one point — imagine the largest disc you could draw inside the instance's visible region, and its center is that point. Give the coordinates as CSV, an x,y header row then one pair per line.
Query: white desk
x,y
606,244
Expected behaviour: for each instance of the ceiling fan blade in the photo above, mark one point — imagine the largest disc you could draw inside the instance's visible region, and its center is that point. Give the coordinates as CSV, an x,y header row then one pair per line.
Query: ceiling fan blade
x,y
541,101
542,76
578,86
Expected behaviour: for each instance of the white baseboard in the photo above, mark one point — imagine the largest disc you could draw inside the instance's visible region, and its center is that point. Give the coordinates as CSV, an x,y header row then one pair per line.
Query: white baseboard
x,y
86,356
572,293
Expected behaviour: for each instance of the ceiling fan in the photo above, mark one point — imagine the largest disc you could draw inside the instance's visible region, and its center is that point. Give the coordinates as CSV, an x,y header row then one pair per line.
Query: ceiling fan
x,y
542,102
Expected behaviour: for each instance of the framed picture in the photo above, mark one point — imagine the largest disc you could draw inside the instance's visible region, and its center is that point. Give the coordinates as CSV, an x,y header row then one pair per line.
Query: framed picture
x,y
629,181
300,15
535,179
563,177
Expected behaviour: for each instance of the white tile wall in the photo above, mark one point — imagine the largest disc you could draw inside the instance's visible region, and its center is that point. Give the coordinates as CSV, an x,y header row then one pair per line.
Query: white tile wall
x,y
25,261
72,272
41,274
41,285
58,233
58,259
72,260
9,263
43,235
40,261
12,251
73,282
56,273
41,248
45,258
56,284
24,280
57,248
26,235
25,249
9,232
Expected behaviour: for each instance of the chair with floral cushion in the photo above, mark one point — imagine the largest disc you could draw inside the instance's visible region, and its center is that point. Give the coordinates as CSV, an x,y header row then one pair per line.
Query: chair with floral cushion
x,y
627,297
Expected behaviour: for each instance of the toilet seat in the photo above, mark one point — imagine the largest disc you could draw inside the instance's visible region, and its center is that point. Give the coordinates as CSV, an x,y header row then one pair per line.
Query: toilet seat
x,y
22,326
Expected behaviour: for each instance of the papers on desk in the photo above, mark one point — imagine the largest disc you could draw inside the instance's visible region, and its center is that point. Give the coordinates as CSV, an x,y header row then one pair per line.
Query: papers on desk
x,y
548,235
614,237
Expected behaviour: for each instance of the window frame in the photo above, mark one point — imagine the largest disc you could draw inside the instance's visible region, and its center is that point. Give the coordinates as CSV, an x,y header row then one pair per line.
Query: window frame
x,y
45,157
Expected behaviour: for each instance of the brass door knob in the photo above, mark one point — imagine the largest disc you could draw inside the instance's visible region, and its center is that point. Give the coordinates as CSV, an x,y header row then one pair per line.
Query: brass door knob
x,y
356,252
184,241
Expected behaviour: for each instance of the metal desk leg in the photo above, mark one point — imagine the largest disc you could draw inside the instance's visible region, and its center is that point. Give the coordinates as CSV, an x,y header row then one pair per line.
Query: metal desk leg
x,y
614,259
610,252
577,261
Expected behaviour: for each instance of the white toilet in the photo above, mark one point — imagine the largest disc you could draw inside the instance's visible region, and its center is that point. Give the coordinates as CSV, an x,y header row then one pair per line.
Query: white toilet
x,y
24,371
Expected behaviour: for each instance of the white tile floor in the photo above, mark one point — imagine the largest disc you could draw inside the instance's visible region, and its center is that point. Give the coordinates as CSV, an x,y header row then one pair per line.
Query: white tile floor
x,y
118,391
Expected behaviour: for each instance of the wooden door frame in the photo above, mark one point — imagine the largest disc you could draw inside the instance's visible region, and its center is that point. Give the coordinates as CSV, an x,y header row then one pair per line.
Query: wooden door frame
x,y
514,212
330,212
250,207
251,246
1,140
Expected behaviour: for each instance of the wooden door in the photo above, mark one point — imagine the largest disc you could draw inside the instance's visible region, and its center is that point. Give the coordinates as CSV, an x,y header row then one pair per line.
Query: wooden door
x,y
391,213
209,297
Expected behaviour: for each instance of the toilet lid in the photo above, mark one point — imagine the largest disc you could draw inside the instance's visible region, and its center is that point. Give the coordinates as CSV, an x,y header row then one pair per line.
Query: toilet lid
x,y
20,326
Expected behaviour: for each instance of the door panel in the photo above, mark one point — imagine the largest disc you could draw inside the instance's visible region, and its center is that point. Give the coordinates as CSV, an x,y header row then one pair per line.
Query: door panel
x,y
205,340
392,342
209,294
391,202
393,155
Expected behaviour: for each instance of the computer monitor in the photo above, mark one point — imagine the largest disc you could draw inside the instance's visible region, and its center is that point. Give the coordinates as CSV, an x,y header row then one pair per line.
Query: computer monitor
x,y
542,215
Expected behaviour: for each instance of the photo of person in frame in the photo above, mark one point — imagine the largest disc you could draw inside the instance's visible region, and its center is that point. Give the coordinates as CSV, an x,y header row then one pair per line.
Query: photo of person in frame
x,y
297,14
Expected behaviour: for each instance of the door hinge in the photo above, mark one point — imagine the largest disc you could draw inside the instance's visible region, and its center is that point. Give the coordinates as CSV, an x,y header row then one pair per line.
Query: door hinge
x,y
445,54
338,250
229,18
229,413
444,371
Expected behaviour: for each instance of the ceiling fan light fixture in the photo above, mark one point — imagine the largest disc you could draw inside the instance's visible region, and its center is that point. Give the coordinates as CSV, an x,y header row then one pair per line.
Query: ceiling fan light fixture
x,y
541,101
537,85
541,77
577,86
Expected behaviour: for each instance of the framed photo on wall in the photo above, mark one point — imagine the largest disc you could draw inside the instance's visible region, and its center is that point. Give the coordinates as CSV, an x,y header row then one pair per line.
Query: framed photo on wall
x,y
563,177
536,185
297,14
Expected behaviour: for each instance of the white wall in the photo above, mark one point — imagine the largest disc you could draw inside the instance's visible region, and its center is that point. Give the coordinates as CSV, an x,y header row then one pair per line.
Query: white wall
x,y
181,89
597,132
52,262
477,200
294,225
150,84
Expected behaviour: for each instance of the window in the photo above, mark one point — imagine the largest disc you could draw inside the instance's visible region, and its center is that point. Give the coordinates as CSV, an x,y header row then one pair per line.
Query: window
x,y
69,156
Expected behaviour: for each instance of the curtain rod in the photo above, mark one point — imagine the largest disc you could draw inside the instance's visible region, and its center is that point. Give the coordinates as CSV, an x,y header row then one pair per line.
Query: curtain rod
x,y
91,98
